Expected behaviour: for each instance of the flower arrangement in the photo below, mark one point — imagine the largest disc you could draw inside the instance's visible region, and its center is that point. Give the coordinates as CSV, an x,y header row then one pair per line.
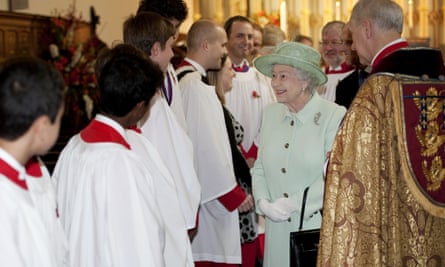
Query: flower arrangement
x,y
75,61
262,18
68,56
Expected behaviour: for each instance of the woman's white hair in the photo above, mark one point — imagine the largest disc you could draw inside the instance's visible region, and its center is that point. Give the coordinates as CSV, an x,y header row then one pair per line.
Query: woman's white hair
x,y
308,77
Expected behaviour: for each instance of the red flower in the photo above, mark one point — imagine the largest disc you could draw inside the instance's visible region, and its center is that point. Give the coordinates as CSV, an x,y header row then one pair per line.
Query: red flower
x,y
255,94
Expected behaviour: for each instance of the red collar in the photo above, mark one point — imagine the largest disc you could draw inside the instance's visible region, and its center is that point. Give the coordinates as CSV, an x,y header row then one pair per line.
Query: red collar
x,y
33,168
12,174
344,68
243,67
388,51
99,132
135,128
184,63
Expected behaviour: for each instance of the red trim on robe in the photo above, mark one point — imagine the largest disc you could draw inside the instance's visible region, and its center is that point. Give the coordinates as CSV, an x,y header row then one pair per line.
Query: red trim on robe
x,y
33,168
184,63
388,51
243,68
251,153
98,132
135,128
233,199
12,174
192,231
344,68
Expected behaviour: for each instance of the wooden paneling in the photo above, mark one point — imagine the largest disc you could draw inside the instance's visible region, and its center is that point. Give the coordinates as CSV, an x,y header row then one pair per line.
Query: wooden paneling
x,y
20,34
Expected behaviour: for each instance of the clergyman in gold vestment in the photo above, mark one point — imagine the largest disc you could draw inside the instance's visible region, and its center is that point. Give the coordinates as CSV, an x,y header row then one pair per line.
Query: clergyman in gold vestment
x,y
374,214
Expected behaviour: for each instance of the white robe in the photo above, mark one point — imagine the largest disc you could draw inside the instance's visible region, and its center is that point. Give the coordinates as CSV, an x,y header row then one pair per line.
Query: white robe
x,y
176,150
108,204
246,107
178,251
176,103
330,87
218,237
30,232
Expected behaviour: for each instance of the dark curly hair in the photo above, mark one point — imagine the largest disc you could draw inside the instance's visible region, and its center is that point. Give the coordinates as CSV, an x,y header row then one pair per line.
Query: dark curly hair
x,y
170,9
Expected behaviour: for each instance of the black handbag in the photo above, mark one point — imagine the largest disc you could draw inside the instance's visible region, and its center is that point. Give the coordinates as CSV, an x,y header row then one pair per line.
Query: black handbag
x,y
304,244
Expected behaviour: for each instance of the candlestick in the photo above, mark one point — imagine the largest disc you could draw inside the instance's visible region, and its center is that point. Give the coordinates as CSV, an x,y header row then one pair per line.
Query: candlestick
x,y
337,10
283,16
410,14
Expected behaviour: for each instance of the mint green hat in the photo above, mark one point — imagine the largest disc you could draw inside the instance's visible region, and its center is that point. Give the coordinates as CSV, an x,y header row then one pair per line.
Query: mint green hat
x,y
293,54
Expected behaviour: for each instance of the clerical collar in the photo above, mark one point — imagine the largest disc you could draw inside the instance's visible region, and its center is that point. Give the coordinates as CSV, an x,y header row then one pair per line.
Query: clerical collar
x,y
12,169
197,66
104,130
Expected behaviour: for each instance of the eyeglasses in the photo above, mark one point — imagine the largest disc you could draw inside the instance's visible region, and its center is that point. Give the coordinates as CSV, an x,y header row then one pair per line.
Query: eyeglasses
x,y
335,42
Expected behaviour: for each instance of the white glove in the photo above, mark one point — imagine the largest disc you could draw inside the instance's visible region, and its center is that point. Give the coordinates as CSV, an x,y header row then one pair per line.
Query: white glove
x,y
285,204
273,211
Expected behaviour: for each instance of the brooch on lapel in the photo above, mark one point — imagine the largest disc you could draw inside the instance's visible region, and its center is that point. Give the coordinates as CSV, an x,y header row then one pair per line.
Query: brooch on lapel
x,y
317,117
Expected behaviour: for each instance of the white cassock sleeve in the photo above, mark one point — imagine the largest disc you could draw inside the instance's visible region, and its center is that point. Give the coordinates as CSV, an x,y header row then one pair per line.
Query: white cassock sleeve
x,y
176,104
43,194
128,218
108,206
178,251
218,237
205,120
176,150
24,239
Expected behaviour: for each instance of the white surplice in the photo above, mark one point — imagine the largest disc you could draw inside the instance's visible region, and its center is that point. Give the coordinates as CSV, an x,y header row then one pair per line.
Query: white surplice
x,y
176,102
178,251
108,204
331,85
30,232
251,92
176,150
218,237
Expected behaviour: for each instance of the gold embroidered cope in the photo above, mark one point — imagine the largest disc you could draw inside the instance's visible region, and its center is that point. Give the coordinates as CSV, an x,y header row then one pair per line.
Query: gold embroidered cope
x,y
385,183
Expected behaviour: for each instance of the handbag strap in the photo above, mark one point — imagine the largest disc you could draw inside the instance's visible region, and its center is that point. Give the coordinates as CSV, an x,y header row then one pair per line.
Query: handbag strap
x,y
303,206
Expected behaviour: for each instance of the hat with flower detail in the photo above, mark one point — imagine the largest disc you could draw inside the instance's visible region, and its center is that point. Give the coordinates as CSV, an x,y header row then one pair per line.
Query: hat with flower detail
x,y
293,54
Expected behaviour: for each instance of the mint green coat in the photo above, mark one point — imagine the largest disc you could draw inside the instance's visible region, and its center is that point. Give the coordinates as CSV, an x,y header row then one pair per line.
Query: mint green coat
x,y
292,153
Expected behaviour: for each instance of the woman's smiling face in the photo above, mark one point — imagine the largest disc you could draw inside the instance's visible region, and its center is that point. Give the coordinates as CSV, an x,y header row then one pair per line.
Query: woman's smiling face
x,y
287,86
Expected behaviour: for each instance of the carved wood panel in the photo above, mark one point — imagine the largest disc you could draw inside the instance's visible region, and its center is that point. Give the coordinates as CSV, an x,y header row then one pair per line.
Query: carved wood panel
x,y
20,34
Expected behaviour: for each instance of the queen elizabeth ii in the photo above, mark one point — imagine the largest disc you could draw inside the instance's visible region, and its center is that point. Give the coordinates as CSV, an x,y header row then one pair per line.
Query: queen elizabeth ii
x,y
296,136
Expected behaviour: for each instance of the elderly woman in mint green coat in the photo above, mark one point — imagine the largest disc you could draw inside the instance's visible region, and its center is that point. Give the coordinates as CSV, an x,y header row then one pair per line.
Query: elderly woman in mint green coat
x,y
296,137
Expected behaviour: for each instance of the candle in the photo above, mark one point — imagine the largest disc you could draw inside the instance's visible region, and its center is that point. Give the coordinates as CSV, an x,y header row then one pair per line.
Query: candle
x,y
283,17
337,10
410,14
